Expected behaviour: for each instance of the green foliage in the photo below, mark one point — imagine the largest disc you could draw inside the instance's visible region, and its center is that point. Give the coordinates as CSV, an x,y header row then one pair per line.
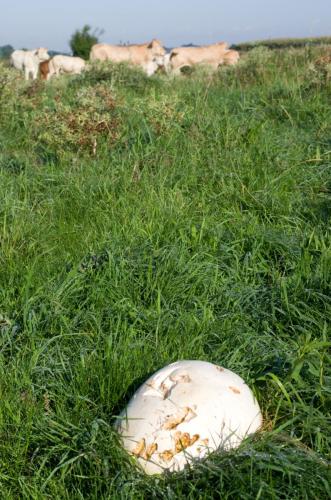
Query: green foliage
x,y
116,75
82,41
5,51
284,43
144,221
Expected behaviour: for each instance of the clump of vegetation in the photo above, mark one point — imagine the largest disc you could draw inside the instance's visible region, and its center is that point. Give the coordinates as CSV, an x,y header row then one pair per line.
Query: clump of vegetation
x,y
323,65
79,125
82,41
5,51
197,228
284,43
117,75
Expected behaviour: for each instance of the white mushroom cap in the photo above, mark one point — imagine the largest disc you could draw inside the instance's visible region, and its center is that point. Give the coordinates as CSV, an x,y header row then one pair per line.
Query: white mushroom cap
x,y
185,411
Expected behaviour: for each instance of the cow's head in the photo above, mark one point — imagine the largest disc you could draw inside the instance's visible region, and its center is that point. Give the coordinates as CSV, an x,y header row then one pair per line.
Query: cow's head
x,y
42,54
223,45
157,52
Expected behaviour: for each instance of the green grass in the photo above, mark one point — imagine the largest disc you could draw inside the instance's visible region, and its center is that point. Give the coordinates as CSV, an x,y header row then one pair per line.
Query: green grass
x,y
284,43
143,221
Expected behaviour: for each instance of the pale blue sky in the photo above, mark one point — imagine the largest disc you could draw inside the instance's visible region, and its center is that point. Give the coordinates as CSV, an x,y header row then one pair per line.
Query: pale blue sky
x,y
33,23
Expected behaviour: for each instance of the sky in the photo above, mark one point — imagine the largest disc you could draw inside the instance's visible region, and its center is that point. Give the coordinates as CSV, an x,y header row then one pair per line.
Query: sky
x,y
35,23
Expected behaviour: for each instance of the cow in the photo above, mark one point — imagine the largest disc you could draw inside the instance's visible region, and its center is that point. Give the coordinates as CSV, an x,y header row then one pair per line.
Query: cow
x,y
166,63
231,57
44,70
28,61
210,55
66,64
149,56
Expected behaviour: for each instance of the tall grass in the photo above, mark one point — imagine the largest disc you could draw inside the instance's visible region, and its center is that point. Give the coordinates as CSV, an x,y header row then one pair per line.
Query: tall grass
x,y
284,43
149,220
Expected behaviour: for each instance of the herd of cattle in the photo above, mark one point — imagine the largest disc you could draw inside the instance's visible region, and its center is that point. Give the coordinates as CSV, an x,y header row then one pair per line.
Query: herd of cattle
x,y
151,57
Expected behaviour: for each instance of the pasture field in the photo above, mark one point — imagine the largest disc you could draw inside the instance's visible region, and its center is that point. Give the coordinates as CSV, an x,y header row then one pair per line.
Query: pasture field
x,y
284,43
147,220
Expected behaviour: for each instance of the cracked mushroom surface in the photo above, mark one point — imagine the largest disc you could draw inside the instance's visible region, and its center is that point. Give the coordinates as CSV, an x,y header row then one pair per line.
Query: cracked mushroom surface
x,y
185,411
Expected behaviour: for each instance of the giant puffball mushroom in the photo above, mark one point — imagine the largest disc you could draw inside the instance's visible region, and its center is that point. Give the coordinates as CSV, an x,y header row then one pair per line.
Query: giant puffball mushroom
x,y
185,411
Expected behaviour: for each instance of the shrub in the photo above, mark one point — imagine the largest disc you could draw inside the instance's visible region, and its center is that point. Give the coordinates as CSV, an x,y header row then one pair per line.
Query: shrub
x,y
78,126
5,51
82,41
117,74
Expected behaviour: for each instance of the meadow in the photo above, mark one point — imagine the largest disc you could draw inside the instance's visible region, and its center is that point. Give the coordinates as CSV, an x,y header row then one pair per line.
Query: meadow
x,y
284,43
147,220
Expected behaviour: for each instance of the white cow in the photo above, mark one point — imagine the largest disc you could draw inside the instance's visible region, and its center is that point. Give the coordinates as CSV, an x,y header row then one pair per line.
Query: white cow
x,y
149,56
231,57
166,63
210,55
66,64
28,61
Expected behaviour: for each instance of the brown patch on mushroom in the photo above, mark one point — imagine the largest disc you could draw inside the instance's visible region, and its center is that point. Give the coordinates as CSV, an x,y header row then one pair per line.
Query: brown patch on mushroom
x,y
183,440
165,390
152,386
139,449
167,455
234,389
190,415
171,382
194,439
220,369
175,420
185,414
180,378
152,448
